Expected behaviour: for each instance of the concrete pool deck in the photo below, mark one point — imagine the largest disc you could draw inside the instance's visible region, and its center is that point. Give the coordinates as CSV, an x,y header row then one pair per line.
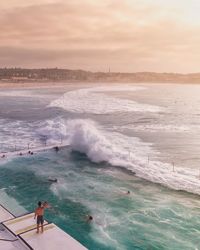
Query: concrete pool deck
x,y
20,233
5,214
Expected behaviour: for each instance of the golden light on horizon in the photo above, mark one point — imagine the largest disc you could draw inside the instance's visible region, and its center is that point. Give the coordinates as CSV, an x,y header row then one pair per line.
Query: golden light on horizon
x,y
128,35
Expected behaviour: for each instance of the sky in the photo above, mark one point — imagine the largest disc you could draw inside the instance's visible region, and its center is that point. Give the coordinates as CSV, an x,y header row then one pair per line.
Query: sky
x,y
95,35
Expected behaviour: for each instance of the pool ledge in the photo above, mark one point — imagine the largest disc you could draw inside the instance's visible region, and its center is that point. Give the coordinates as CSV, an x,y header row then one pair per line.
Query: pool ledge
x,y
20,233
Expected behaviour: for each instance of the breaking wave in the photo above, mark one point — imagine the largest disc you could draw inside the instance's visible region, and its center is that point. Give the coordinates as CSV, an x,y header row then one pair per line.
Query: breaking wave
x,y
86,136
101,145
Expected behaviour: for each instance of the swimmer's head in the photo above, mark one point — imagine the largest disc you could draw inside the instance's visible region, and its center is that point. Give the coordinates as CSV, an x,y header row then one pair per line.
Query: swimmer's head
x,y
89,217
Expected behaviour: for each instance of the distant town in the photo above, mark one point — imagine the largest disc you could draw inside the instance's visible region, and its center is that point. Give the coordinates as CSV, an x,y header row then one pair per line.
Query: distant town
x,y
16,75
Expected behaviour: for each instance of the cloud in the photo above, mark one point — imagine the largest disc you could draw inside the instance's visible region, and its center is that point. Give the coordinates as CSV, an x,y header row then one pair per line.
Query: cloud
x,y
128,35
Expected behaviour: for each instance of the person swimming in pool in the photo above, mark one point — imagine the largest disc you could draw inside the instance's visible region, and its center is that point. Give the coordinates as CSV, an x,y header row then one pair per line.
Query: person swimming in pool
x,y
89,218
39,213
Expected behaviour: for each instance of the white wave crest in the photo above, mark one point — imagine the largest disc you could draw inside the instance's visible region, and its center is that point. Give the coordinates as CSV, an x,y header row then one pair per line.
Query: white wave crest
x,y
94,100
131,153
100,145
53,131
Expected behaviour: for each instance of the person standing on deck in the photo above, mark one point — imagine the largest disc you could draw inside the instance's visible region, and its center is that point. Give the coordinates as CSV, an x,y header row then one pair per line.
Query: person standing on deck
x,y
39,213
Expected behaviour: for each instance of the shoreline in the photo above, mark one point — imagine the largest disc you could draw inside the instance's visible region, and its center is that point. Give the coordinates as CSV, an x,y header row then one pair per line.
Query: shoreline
x,y
35,85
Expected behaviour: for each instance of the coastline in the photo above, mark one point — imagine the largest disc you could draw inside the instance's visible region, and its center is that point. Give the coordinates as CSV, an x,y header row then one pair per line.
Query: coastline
x,y
14,85
35,85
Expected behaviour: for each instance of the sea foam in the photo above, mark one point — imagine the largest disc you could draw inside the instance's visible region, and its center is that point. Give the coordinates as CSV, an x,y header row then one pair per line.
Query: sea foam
x,y
97,100
131,153
101,145
172,128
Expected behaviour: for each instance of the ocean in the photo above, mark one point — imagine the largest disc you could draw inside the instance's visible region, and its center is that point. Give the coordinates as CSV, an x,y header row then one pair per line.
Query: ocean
x,y
115,138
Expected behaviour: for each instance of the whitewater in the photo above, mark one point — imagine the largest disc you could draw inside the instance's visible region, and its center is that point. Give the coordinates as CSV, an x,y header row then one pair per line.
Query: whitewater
x,y
101,145
117,149
95,100
88,137
142,138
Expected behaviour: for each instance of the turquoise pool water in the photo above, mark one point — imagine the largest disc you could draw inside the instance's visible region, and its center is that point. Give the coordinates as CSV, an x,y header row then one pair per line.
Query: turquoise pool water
x,y
150,217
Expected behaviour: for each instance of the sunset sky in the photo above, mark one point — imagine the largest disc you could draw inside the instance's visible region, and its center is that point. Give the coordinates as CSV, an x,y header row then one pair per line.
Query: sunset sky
x,y
125,35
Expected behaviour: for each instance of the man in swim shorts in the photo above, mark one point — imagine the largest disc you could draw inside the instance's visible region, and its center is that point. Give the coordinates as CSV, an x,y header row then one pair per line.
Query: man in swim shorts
x,y
39,213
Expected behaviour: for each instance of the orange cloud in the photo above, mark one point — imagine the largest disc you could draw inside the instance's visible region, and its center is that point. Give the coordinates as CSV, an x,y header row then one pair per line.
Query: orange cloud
x,y
128,35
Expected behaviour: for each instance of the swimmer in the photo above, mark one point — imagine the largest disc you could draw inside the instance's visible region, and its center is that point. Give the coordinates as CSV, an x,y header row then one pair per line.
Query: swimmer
x,y
53,180
56,149
89,218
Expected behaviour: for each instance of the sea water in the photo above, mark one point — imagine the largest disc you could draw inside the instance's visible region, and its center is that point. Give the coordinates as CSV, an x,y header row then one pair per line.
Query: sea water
x,y
142,138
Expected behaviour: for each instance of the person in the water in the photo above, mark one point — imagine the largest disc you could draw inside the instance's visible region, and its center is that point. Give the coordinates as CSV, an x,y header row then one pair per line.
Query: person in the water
x,y
39,213
56,149
89,218
53,180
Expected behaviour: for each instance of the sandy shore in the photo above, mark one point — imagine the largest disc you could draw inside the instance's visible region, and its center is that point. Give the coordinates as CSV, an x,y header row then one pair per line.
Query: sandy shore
x,y
17,85
11,85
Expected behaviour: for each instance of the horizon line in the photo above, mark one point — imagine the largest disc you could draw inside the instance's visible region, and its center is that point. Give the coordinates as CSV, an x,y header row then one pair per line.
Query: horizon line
x,y
108,72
